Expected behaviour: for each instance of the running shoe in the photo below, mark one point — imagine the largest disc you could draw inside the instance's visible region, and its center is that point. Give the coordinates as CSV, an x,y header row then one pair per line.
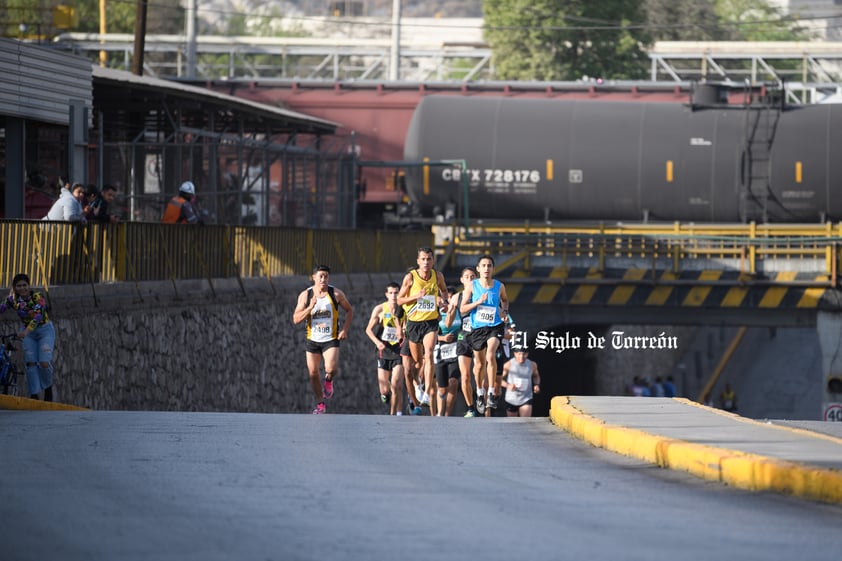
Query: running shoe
x,y
419,392
328,388
479,404
384,398
320,409
492,401
470,414
416,410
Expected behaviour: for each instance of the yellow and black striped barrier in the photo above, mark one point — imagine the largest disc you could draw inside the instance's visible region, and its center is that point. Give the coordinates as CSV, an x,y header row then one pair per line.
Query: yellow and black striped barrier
x,y
686,289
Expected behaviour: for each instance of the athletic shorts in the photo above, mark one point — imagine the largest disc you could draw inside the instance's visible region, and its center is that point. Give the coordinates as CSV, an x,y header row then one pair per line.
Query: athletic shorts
x,y
319,348
463,347
480,335
405,348
388,363
416,330
515,408
446,371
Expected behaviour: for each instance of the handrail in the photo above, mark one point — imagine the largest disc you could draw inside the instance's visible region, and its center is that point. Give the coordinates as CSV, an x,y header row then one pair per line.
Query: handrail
x,y
677,243
70,253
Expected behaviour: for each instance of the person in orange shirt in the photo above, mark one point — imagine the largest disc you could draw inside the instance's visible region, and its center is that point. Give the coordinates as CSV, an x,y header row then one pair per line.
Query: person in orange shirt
x,y
180,209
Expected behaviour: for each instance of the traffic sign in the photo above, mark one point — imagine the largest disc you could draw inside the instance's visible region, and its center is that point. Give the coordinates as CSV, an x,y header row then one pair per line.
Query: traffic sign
x,y
833,412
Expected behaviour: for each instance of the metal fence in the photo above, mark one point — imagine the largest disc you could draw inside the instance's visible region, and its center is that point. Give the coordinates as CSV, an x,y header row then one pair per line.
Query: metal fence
x,y
54,253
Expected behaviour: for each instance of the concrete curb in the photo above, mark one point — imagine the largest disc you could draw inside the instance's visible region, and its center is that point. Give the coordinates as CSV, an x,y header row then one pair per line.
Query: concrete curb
x,y
10,402
738,469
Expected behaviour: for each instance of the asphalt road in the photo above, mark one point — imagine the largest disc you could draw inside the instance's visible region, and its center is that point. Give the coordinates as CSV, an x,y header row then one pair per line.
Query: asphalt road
x,y
212,486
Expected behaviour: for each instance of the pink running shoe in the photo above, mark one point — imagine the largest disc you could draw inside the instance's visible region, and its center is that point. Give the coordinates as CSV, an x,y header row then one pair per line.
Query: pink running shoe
x,y
320,409
328,388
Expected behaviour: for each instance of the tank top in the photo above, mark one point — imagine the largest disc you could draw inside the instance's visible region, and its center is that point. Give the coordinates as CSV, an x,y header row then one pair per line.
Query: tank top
x,y
388,332
323,323
466,320
521,376
426,308
486,314
446,352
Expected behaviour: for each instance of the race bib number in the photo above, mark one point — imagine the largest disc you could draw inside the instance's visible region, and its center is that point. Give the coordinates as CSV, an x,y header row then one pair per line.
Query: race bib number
x,y
426,304
466,324
486,314
321,330
390,334
448,351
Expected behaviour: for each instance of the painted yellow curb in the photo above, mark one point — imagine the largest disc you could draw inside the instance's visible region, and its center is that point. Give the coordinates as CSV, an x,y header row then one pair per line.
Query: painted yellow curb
x,y
27,404
739,469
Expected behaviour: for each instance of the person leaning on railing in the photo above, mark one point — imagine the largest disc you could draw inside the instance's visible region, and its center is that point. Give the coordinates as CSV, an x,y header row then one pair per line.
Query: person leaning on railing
x,y
97,211
69,207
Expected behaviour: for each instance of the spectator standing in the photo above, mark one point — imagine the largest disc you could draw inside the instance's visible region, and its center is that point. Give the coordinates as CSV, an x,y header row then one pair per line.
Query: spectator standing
x,y
657,389
385,329
68,207
728,399
319,307
180,209
99,207
37,334
669,387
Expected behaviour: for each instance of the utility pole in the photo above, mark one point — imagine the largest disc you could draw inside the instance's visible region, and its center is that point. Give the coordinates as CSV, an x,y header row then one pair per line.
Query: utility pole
x,y
190,31
139,37
395,58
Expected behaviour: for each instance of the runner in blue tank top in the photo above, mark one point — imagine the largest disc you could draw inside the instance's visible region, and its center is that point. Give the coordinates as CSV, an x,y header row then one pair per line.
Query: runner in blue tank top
x,y
488,305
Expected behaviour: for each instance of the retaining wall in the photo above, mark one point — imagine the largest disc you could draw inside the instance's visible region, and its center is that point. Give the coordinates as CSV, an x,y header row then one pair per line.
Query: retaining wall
x,y
200,346
218,346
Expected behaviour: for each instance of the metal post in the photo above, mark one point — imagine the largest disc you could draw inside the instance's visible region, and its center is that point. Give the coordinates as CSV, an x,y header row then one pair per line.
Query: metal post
x,y
190,32
395,55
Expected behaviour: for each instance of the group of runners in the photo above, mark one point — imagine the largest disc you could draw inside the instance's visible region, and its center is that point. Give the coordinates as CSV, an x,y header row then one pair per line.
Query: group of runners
x,y
429,339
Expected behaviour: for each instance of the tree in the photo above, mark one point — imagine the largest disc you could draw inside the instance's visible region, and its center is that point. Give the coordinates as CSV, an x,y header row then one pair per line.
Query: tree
x,y
720,20
756,20
683,20
566,39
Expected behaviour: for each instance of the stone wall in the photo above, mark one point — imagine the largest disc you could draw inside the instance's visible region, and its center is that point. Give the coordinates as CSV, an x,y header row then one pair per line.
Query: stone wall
x,y
222,346
199,346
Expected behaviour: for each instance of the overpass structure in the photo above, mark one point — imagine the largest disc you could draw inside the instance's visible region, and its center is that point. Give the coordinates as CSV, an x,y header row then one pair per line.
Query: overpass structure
x,y
758,275
811,69
666,274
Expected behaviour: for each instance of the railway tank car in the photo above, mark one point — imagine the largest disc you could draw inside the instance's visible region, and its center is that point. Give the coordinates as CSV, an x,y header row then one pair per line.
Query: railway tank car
x,y
554,159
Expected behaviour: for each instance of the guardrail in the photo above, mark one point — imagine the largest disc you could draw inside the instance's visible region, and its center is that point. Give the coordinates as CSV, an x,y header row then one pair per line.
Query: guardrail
x,y
665,246
68,253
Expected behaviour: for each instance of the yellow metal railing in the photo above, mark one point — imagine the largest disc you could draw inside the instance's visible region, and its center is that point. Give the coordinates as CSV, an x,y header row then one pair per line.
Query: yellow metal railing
x,y
66,253
668,245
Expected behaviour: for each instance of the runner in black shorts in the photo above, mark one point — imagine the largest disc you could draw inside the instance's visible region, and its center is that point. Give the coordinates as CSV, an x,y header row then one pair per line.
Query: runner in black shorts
x,y
422,296
319,306
464,352
386,330
485,299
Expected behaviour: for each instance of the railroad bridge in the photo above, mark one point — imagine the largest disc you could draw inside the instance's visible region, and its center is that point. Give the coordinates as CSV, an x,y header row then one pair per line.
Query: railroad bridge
x,y
755,275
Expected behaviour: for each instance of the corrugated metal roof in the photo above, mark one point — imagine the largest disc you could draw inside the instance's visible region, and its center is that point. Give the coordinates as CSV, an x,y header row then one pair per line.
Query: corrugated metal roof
x,y
38,83
270,116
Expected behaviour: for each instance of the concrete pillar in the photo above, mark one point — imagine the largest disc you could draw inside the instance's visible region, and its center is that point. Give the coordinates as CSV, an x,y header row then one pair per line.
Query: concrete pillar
x,y
829,328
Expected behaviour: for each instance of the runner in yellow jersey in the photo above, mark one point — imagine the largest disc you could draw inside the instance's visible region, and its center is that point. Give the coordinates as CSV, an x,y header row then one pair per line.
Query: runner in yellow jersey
x,y
422,293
